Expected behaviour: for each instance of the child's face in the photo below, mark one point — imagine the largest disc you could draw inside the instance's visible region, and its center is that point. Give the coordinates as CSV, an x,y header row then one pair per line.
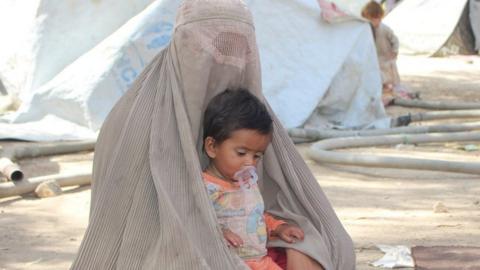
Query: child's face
x,y
375,21
245,147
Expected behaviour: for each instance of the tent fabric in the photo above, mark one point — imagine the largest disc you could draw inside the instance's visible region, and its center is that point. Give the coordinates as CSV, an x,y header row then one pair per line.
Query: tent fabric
x,y
303,63
351,99
149,207
306,59
429,25
42,42
15,49
341,10
58,129
475,21
82,94
462,40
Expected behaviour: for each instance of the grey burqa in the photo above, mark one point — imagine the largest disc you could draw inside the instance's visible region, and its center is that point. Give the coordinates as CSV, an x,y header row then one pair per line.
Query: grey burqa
x,y
149,207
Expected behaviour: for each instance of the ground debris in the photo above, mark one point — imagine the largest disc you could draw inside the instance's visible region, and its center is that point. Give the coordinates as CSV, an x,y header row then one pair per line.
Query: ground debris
x,y
48,189
449,225
470,147
439,207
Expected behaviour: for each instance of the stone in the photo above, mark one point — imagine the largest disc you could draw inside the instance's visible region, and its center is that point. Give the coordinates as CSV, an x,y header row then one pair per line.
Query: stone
x,y
439,207
48,189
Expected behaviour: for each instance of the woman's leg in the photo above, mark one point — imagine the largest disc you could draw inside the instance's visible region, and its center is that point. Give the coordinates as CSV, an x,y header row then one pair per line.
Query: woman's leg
x,y
296,260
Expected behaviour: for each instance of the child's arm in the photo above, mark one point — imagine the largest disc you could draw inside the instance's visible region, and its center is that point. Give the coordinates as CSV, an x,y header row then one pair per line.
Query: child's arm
x,y
232,238
285,231
272,223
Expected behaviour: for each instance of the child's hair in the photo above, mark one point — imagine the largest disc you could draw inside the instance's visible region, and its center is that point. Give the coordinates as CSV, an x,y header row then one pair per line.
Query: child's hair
x,y
232,110
373,10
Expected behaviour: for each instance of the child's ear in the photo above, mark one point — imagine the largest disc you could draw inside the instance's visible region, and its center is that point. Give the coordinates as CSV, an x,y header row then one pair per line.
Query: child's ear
x,y
209,145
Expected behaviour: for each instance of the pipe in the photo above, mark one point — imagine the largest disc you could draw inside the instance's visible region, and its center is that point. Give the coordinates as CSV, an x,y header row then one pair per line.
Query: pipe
x,y
57,148
25,186
10,170
297,140
320,152
309,135
13,172
437,115
435,105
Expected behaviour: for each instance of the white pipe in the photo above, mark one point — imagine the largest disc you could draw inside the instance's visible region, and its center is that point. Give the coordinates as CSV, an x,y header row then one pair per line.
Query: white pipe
x,y
13,172
57,148
10,170
436,105
319,134
437,115
320,152
25,186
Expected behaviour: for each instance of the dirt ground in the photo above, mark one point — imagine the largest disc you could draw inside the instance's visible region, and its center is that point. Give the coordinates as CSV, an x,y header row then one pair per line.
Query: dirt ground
x,y
377,206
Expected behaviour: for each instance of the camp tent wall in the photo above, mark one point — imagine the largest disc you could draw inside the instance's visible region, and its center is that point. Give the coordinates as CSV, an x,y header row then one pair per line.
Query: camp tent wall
x,y
462,40
475,21
304,60
75,102
433,27
52,34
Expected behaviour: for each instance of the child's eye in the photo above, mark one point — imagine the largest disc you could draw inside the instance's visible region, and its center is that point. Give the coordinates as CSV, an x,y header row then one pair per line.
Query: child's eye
x,y
258,156
240,153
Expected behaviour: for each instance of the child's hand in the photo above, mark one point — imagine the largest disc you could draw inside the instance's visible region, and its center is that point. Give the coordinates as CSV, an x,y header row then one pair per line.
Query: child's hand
x,y
232,238
289,233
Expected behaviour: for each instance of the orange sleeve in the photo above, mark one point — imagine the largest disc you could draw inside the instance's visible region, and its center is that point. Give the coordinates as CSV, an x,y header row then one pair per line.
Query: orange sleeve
x,y
272,223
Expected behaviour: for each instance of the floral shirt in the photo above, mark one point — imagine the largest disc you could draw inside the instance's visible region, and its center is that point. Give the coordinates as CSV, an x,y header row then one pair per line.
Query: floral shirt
x,y
241,210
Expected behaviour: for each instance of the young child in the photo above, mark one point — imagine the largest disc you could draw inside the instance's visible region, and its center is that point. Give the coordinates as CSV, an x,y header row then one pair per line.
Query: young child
x,y
237,131
387,51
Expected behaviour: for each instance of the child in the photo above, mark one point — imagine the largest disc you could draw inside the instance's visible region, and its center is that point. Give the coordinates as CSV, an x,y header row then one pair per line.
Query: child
x,y
387,51
237,131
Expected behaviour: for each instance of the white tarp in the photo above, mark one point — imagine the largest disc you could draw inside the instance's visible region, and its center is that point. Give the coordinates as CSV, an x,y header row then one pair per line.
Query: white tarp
x,y
302,55
341,10
16,24
45,36
82,94
305,62
423,26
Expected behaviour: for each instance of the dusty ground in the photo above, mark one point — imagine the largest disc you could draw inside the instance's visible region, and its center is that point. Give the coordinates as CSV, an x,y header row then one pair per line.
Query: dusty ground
x,y
377,206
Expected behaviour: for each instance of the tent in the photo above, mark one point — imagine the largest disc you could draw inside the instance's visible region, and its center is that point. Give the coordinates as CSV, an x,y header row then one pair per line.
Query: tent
x,y
314,72
47,36
437,27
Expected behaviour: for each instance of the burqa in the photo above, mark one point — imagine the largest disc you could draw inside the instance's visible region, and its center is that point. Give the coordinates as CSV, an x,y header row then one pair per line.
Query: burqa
x,y
149,206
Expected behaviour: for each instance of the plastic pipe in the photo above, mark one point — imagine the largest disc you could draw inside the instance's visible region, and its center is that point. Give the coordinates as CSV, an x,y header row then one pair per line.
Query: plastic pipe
x,y
10,170
13,172
437,115
25,186
318,134
57,148
320,152
436,105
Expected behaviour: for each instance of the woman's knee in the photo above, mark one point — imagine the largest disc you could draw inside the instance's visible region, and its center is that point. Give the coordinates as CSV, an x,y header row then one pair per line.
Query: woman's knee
x,y
297,260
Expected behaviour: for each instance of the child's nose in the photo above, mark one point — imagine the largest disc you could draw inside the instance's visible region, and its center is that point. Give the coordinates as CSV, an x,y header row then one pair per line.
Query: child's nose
x,y
249,160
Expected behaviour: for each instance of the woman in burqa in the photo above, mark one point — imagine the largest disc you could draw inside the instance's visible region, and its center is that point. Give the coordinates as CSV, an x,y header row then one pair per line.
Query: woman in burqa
x,y
149,206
